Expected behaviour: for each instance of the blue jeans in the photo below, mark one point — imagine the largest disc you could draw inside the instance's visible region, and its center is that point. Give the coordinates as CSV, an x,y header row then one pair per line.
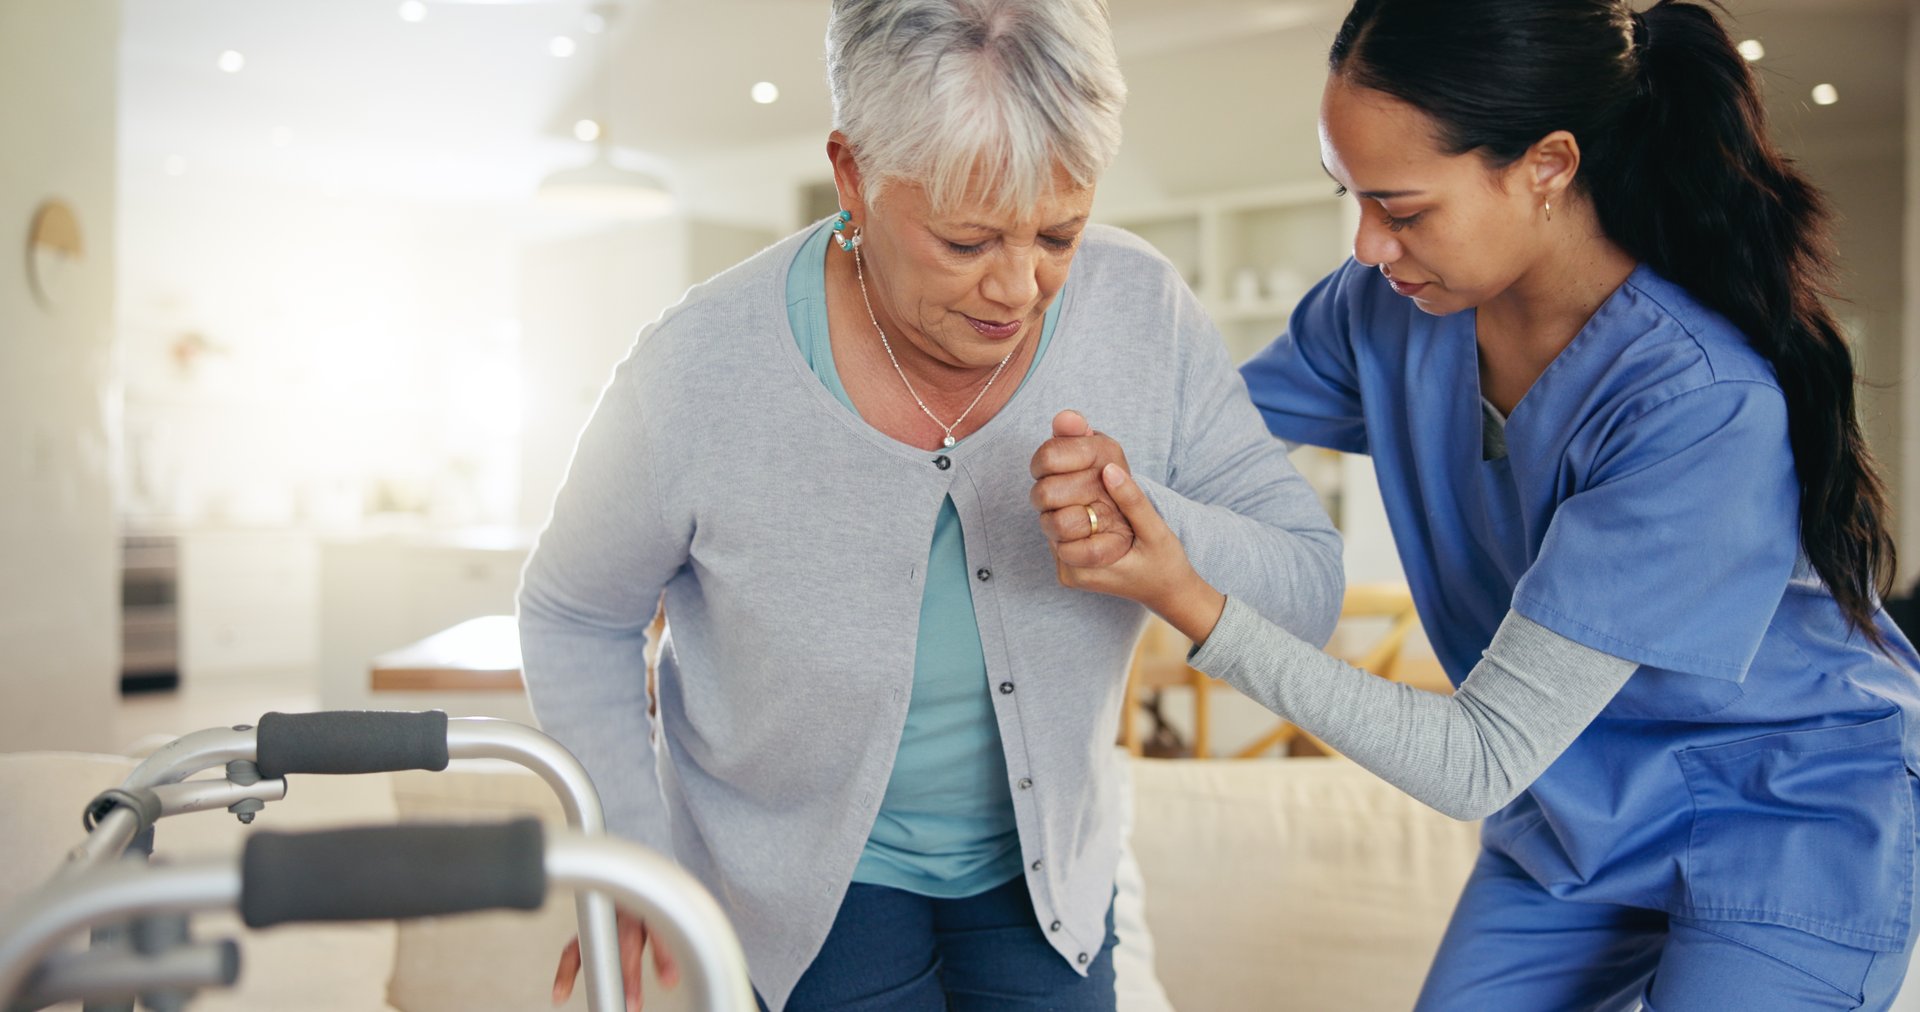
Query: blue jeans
x,y
1511,945
896,951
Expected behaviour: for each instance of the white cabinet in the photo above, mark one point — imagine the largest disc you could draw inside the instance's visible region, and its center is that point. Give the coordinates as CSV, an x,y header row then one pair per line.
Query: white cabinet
x,y
248,604
380,594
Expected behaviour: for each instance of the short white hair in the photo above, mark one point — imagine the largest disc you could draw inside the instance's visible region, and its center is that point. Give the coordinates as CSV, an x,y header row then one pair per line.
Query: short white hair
x,y
993,92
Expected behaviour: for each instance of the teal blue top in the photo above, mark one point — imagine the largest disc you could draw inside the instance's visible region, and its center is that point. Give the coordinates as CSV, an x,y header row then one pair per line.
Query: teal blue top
x,y
945,826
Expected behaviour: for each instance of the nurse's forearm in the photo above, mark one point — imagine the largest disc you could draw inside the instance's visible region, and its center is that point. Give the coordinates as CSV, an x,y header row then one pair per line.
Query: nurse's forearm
x,y
1193,607
1467,754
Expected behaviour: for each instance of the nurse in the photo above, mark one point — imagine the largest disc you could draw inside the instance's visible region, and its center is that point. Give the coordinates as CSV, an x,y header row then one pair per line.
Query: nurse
x,y
1582,336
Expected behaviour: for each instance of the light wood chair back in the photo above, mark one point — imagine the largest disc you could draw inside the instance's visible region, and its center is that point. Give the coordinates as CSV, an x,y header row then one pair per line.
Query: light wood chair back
x,y
1159,663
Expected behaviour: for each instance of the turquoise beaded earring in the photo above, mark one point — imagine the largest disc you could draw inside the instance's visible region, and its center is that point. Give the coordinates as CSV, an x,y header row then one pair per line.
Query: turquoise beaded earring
x,y
847,242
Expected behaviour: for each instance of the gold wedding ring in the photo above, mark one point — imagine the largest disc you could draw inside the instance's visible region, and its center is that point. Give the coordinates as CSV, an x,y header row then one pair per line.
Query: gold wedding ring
x,y
1093,521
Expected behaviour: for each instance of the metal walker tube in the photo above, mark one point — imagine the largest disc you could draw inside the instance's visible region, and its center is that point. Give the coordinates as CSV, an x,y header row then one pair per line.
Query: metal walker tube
x,y
466,738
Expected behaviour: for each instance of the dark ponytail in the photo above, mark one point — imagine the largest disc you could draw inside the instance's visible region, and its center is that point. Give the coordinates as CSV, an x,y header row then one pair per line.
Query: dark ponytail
x,y
1683,175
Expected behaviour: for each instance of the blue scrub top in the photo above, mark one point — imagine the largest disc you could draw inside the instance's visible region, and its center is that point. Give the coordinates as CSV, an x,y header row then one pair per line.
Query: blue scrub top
x,y
1755,768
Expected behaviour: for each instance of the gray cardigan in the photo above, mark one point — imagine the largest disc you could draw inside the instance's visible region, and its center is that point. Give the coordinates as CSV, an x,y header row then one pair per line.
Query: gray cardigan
x,y
790,539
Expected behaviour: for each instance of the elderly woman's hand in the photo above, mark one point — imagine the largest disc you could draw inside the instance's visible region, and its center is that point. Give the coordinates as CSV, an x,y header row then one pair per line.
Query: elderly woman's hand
x,y
1155,571
634,937
1066,471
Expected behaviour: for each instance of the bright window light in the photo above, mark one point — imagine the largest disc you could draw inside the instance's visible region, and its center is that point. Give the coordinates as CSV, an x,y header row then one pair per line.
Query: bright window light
x,y
413,12
1753,51
1825,94
765,93
232,62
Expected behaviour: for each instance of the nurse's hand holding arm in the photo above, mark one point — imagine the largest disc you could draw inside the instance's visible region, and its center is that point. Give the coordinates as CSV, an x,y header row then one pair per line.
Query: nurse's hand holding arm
x,y
1466,755
1276,550
1155,572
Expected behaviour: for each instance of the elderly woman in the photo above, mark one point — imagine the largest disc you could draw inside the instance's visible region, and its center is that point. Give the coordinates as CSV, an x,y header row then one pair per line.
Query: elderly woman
x,y
881,731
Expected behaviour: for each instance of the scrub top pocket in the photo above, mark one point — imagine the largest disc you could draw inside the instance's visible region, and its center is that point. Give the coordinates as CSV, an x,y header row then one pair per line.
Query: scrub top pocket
x,y
1812,830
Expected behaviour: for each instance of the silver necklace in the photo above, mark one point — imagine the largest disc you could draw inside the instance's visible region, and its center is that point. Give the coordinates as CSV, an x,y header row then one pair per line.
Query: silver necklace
x,y
949,441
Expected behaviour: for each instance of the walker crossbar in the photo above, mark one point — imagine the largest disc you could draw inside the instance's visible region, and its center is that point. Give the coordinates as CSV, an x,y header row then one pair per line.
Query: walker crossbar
x,y
118,973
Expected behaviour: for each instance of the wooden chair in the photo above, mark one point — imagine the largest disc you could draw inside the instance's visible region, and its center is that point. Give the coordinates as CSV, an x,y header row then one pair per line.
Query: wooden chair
x,y
1160,663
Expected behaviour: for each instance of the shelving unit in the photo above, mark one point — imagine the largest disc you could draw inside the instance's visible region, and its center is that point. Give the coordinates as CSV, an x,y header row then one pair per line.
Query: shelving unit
x,y
1249,255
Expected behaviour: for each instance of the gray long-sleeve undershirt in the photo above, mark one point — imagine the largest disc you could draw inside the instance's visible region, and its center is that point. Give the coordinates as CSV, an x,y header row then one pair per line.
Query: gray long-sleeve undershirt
x,y
1465,755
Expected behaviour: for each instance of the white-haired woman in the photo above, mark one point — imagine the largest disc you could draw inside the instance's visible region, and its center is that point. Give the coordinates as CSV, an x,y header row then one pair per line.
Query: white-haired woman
x,y
882,731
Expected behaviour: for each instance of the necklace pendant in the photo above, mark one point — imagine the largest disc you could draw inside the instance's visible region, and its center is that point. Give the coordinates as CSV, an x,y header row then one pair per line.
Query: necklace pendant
x,y
947,441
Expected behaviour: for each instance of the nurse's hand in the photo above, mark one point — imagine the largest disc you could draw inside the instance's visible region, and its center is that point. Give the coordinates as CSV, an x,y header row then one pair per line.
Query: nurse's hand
x,y
1155,572
1066,472
633,944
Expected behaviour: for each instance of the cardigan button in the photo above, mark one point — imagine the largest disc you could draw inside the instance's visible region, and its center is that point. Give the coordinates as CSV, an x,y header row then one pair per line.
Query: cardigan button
x,y
942,462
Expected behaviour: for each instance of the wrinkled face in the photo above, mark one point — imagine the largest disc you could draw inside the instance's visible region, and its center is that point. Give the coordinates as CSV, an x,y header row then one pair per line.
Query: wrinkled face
x,y
1448,231
966,283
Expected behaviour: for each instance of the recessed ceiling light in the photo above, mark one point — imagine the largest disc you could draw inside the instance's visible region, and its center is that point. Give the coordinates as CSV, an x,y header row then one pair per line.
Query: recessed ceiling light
x,y
765,93
1752,50
587,130
413,12
232,62
176,165
561,46
1825,94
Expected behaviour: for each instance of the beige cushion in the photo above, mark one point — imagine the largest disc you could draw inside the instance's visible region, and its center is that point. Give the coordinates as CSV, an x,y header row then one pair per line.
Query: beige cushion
x,y
295,968
493,962
43,794
1292,883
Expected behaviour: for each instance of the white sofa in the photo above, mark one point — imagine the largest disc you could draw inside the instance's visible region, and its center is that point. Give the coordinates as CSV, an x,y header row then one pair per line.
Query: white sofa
x,y
1268,885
